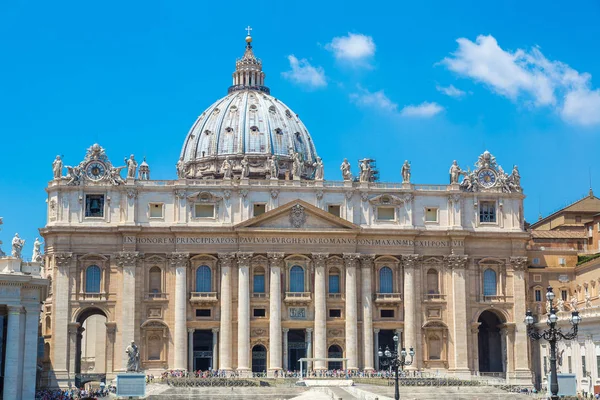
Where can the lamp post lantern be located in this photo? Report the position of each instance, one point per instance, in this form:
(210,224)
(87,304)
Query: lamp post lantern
(396,360)
(553,334)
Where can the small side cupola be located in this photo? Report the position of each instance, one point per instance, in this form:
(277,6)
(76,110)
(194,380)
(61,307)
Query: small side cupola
(144,173)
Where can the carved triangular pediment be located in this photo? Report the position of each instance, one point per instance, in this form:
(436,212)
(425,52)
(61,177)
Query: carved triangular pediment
(298,215)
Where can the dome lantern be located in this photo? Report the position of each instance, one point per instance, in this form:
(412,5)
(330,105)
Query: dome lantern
(248,71)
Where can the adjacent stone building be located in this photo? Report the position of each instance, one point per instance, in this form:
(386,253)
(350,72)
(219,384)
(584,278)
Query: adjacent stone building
(250,259)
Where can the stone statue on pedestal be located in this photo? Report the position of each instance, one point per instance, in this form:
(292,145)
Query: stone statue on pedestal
(588,300)
(561,304)
(133,362)
(37,252)
(180,167)
(573,303)
(17,246)
(345,168)
(226,168)
(405,172)
(365,170)
(296,165)
(455,172)
(319,169)
(57,167)
(131,166)
(245,167)
(273,167)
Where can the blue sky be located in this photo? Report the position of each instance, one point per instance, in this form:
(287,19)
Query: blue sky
(425,81)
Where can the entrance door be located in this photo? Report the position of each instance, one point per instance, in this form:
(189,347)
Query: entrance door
(334,351)
(203,354)
(296,348)
(259,358)
(490,343)
(386,340)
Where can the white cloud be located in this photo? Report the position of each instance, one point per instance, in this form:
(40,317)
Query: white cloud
(380,101)
(423,110)
(373,99)
(354,47)
(305,74)
(451,91)
(528,75)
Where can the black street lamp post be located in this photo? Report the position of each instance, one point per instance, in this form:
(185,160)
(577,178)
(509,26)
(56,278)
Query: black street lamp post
(553,334)
(395,360)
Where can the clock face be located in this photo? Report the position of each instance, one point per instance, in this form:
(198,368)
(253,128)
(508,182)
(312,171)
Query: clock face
(487,178)
(95,170)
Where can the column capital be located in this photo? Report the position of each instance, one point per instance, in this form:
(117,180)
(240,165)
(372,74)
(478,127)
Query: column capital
(275,259)
(244,258)
(191,330)
(178,259)
(366,260)
(309,330)
(454,261)
(286,330)
(376,330)
(518,263)
(16,310)
(111,327)
(410,260)
(226,259)
(128,258)
(351,259)
(215,330)
(74,328)
(319,259)
(62,259)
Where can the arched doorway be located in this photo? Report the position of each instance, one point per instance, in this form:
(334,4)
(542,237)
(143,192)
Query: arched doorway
(296,348)
(334,351)
(91,345)
(259,358)
(490,343)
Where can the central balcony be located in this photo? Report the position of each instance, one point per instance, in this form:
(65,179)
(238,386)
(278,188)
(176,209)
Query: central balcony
(155,296)
(388,298)
(203,297)
(297,297)
(92,296)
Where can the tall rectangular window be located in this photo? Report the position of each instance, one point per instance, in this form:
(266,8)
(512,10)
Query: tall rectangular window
(259,283)
(431,214)
(538,295)
(564,295)
(545,365)
(94,205)
(334,283)
(156,210)
(583,369)
(334,209)
(386,214)
(487,211)
(570,362)
(259,209)
(204,210)
(598,365)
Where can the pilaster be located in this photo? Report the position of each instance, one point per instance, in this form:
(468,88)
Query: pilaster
(351,261)
(226,261)
(366,263)
(243,364)
(60,315)
(409,262)
(275,265)
(522,374)
(127,261)
(458,265)
(319,260)
(179,261)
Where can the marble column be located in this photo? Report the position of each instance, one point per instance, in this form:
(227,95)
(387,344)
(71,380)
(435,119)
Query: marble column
(319,260)
(127,261)
(520,349)
(376,335)
(180,262)
(309,332)
(215,348)
(191,349)
(366,264)
(60,316)
(275,265)
(410,329)
(243,364)
(13,363)
(458,265)
(350,261)
(32,318)
(225,344)
(285,349)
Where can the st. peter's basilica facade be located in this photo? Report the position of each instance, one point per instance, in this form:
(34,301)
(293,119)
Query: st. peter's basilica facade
(249,260)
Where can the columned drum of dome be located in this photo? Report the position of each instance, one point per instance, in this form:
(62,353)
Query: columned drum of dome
(248,126)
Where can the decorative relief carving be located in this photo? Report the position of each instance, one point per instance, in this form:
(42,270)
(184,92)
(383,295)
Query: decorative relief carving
(518,263)
(180,194)
(335,332)
(297,216)
(351,259)
(410,260)
(275,259)
(259,332)
(366,260)
(319,194)
(154,313)
(62,259)
(226,194)
(274,193)
(406,198)
(132,193)
(319,259)
(127,258)
(226,259)
(349,194)
(456,262)
(244,258)
(179,259)
(454,198)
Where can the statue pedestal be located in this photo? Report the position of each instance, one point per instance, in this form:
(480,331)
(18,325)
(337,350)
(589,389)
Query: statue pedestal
(10,264)
(296,178)
(347,183)
(319,182)
(244,182)
(131,384)
(406,185)
(454,187)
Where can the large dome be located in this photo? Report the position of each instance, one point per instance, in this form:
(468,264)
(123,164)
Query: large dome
(247,123)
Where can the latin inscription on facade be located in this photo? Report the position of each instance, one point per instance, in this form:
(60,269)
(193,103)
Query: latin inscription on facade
(297,313)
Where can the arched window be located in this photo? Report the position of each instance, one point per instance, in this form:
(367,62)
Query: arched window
(203,279)
(435,347)
(297,279)
(92,279)
(489,282)
(154,348)
(259,281)
(155,278)
(432,282)
(334,280)
(386,282)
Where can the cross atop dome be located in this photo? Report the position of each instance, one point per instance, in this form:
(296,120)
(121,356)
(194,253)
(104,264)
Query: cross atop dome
(249,30)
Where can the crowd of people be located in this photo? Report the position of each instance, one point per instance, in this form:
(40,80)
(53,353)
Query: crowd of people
(332,373)
(71,394)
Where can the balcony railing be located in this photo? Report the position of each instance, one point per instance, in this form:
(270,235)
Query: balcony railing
(297,297)
(493,299)
(388,298)
(203,297)
(435,297)
(156,296)
(335,296)
(84,296)
(260,295)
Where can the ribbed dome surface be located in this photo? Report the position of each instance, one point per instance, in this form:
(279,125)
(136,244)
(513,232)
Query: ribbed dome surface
(248,122)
